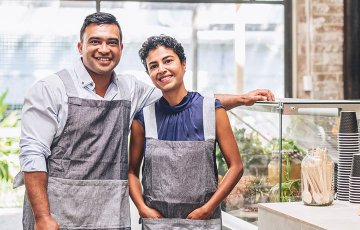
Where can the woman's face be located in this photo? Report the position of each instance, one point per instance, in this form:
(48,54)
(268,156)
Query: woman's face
(165,69)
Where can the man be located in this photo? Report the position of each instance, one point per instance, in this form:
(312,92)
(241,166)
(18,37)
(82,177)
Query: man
(75,126)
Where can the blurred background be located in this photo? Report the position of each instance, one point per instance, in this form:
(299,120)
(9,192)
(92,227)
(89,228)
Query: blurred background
(229,48)
(305,49)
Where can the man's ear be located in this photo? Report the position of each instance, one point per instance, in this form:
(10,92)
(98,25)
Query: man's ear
(79,46)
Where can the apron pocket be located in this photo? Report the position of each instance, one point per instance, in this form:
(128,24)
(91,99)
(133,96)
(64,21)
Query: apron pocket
(178,177)
(181,224)
(93,204)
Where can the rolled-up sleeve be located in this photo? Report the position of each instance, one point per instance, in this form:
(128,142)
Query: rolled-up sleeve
(39,123)
(143,95)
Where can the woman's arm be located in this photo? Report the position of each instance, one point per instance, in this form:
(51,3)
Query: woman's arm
(230,150)
(135,158)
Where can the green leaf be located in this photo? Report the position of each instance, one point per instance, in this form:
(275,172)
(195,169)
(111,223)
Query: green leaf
(11,120)
(4,170)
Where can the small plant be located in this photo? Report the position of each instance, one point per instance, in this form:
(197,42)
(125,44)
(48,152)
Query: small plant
(258,191)
(292,154)
(290,191)
(254,158)
(9,150)
(7,145)
(287,145)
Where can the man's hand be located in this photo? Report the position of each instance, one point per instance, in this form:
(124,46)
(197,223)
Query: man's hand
(230,101)
(148,212)
(46,222)
(200,214)
(258,95)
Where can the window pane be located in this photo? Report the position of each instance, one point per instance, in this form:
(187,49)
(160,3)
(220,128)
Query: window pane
(40,39)
(237,51)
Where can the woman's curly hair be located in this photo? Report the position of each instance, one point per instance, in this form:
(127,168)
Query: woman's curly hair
(162,40)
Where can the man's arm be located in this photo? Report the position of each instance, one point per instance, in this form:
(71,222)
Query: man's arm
(36,189)
(141,93)
(230,101)
(38,128)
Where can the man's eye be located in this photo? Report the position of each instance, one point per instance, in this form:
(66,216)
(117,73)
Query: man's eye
(114,43)
(94,42)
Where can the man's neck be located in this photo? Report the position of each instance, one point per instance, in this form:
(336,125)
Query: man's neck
(101,84)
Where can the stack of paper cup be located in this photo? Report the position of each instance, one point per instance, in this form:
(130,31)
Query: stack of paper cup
(348,145)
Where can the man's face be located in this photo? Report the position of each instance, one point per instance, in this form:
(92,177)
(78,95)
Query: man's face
(100,49)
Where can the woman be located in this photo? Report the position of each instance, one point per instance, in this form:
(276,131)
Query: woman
(180,186)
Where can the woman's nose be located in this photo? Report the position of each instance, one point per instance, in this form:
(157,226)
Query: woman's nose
(161,68)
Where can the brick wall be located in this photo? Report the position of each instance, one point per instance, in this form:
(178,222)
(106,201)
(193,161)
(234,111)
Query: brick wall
(326,48)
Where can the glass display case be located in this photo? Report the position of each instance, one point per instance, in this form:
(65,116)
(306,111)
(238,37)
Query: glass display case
(273,138)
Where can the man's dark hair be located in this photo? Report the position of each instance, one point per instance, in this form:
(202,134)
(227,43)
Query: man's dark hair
(162,40)
(99,18)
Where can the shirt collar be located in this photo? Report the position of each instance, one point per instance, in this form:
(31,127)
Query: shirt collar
(84,77)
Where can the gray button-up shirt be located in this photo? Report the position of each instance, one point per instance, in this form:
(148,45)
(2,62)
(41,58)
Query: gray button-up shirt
(45,110)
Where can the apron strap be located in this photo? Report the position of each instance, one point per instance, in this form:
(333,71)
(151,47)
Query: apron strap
(150,122)
(209,118)
(123,87)
(68,83)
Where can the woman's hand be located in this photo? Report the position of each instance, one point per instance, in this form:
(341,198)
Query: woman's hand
(148,212)
(200,214)
(46,222)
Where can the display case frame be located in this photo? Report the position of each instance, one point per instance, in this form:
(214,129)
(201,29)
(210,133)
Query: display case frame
(287,109)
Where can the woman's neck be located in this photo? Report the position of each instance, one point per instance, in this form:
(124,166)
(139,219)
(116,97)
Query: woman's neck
(175,97)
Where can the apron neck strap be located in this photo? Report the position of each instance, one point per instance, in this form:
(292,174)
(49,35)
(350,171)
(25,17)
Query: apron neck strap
(150,122)
(209,118)
(68,83)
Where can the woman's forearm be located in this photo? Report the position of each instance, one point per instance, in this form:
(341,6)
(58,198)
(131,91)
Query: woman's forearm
(227,184)
(135,191)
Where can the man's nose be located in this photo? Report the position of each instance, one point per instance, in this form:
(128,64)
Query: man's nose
(104,48)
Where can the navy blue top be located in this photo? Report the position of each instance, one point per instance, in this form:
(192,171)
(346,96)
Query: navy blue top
(182,122)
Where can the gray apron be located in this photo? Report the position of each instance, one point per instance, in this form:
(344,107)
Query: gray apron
(87,168)
(180,176)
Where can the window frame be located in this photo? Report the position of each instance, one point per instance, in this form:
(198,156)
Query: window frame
(288,18)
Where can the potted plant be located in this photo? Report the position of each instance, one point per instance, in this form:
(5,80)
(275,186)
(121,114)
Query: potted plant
(292,155)
(243,199)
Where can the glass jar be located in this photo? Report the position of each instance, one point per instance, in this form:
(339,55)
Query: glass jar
(291,167)
(273,169)
(317,172)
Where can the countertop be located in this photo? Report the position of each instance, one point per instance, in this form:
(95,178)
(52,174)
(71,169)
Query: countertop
(341,215)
